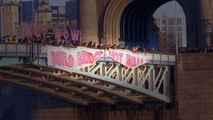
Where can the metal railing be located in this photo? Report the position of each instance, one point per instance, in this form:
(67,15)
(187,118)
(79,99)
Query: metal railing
(40,51)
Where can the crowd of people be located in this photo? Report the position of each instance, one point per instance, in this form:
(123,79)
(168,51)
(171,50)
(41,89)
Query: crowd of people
(91,44)
(134,49)
(196,50)
(9,39)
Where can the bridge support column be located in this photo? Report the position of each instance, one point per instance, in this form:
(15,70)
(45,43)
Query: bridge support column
(89,20)
(166,83)
(152,78)
(206,22)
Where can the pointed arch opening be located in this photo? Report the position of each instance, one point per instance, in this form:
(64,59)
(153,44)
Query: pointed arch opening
(134,23)
(171,22)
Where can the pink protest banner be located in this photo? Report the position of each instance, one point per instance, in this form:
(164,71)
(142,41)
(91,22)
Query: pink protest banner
(66,34)
(71,59)
(128,58)
(76,35)
(28,31)
(87,56)
(44,29)
(37,31)
(57,34)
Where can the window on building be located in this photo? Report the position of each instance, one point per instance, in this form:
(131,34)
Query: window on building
(179,35)
(179,21)
(169,21)
(55,12)
(54,18)
(179,28)
(62,18)
(164,22)
(61,10)
(171,29)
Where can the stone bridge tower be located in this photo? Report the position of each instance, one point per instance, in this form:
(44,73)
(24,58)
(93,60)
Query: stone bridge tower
(207,21)
(9,17)
(89,20)
(100,19)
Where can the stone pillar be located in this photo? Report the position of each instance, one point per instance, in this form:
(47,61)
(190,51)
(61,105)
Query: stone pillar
(206,20)
(194,86)
(88,20)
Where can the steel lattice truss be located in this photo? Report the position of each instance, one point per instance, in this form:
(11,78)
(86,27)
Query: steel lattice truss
(105,82)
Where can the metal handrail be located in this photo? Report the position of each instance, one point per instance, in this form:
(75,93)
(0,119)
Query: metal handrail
(40,50)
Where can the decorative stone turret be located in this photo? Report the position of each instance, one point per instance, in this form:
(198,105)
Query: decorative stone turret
(44,5)
(44,13)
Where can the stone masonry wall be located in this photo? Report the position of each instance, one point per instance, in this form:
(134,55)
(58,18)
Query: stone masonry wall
(73,114)
(194,86)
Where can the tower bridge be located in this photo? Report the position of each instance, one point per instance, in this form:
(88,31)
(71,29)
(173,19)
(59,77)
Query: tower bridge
(104,81)
(108,81)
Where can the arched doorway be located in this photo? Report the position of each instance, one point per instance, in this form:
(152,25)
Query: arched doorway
(112,19)
(131,22)
(171,23)
(138,27)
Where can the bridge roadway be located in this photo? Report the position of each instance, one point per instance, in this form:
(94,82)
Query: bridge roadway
(106,81)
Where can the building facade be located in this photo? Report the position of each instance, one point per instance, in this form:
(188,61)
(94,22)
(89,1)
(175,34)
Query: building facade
(58,13)
(59,16)
(9,17)
(173,30)
(40,12)
(44,13)
(108,19)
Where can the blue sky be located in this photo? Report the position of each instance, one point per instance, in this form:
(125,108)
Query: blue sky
(171,8)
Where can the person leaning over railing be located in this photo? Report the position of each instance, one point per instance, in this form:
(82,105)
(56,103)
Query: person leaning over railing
(5,40)
(196,50)
(10,40)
